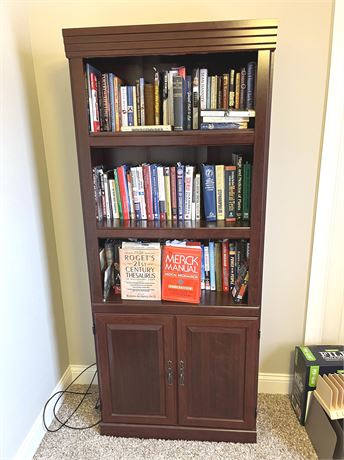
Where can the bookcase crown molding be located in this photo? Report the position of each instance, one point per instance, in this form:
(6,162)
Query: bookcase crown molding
(153,39)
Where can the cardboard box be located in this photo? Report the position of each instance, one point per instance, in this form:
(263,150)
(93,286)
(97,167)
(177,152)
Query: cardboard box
(310,362)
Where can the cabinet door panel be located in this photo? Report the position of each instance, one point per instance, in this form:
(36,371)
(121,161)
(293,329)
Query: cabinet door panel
(217,369)
(136,360)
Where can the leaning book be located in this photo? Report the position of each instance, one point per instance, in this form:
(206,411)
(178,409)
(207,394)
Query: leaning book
(140,271)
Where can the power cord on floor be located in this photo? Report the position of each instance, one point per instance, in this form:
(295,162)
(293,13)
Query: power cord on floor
(67,391)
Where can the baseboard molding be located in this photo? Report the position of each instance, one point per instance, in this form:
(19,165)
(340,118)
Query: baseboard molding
(274,383)
(267,383)
(34,437)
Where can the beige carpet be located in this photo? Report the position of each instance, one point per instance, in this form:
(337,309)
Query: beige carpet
(279,437)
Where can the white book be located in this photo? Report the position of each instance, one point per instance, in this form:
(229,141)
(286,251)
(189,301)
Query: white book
(193,204)
(195,99)
(113,197)
(142,100)
(135,186)
(225,119)
(198,196)
(107,197)
(207,266)
(124,106)
(227,113)
(203,76)
(135,105)
(129,129)
(141,193)
(131,199)
(220,191)
(171,73)
(189,172)
(161,191)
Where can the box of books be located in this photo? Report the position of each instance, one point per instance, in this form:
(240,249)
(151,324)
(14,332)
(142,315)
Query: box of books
(310,362)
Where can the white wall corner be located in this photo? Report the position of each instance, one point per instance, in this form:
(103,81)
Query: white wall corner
(33,439)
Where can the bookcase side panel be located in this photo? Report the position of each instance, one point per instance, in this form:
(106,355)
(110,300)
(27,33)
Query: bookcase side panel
(259,176)
(85,173)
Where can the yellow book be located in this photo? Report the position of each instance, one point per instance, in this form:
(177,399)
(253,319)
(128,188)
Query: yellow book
(220,191)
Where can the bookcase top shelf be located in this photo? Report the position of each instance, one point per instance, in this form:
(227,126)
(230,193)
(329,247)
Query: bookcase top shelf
(183,38)
(169,230)
(218,137)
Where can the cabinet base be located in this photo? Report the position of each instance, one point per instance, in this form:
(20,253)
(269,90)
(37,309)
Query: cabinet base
(177,432)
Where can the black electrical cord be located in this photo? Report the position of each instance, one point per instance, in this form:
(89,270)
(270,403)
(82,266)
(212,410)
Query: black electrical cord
(65,391)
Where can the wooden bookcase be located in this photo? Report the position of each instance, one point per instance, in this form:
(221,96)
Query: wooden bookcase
(174,370)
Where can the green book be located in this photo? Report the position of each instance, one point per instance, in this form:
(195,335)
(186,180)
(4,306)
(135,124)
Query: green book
(246,202)
(115,175)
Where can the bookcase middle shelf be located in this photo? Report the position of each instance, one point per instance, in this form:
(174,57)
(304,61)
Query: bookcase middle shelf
(194,230)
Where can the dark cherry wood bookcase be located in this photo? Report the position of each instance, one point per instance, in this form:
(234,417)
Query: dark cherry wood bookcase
(166,369)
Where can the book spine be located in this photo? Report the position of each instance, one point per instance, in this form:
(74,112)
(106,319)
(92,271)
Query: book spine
(225,266)
(180,191)
(188,111)
(117,103)
(220,192)
(171,97)
(100,102)
(116,269)
(243,288)
(118,193)
(213,126)
(165,109)
(251,76)
(138,103)
(208,101)
(231,92)
(206,268)
(230,193)
(167,183)
(243,77)
(173,180)
(149,104)
(155,193)
(141,193)
(124,106)
(241,121)
(136,199)
(239,186)
(89,98)
(99,214)
(121,171)
(112,102)
(135,106)
(189,171)
(148,191)
(113,197)
(198,196)
(193,204)
(161,193)
(213,102)
(107,197)
(202,269)
(130,106)
(232,275)
(209,195)
(102,188)
(142,101)
(237,90)
(178,102)
(220,92)
(225,91)
(195,99)
(157,97)
(218,266)
(212,265)
(105,98)
(203,76)
(246,191)
(130,195)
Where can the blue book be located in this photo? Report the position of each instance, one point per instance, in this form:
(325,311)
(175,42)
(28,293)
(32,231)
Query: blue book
(130,105)
(154,180)
(112,102)
(209,193)
(212,265)
(180,191)
(208,126)
(202,269)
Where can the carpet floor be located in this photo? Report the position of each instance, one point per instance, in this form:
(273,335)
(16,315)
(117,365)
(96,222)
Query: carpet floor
(280,436)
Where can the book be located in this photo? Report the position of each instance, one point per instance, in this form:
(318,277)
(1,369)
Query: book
(156,96)
(225,90)
(116,270)
(180,191)
(220,191)
(165,109)
(178,102)
(112,101)
(146,170)
(189,172)
(228,113)
(225,119)
(149,104)
(238,162)
(218,266)
(118,193)
(237,91)
(203,76)
(202,269)
(155,191)
(181,273)
(173,181)
(161,193)
(242,96)
(212,265)
(232,274)
(206,268)
(130,105)
(209,194)
(92,75)
(107,283)
(211,126)
(140,271)
(197,196)
(188,103)
(167,183)
(195,98)
(251,77)
(105,101)
(246,194)
(225,265)
(146,128)
(123,187)
(141,192)
(231,95)
(142,102)
(102,260)
(230,214)
(124,107)
(113,198)
(130,196)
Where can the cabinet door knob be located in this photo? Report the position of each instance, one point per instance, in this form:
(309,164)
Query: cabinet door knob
(169,372)
(181,372)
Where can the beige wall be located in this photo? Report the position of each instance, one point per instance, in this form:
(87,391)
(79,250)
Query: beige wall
(297,113)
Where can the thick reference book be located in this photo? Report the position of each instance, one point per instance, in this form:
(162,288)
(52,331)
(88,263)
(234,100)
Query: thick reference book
(181,273)
(209,192)
(140,271)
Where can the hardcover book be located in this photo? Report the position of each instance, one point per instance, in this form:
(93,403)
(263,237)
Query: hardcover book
(181,273)
(140,271)
(209,194)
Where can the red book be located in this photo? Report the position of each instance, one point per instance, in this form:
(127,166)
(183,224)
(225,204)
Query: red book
(148,190)
(181,274)
(94,90)
(225,266)
(121,172)
(173,179)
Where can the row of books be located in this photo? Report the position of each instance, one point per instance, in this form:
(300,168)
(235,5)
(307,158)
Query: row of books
(173,193)
(135,270)
(174,101)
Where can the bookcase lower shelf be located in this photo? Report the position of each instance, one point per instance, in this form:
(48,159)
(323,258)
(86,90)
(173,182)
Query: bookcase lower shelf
(178,432)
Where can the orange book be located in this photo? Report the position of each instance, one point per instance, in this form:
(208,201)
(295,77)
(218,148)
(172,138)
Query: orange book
(181,274)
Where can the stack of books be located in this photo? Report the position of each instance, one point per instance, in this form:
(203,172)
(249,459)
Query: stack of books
(223,267)
(173,193)
(173,100)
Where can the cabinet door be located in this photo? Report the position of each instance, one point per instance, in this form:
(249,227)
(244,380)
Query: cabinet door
(217,371)
(136,359)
